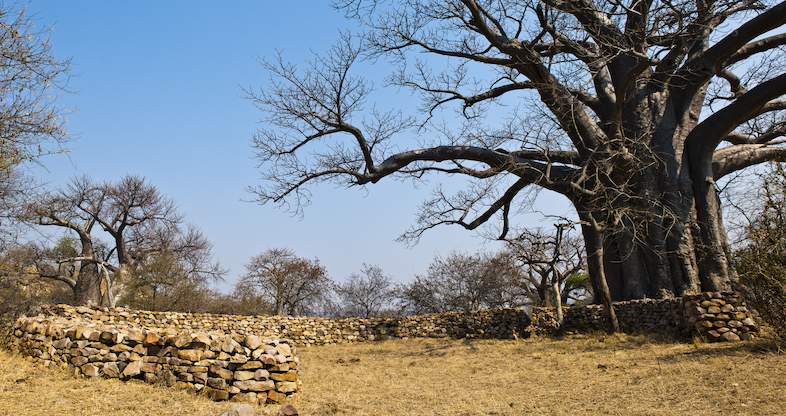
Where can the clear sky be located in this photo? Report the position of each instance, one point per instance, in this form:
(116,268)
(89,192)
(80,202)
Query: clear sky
(156,90)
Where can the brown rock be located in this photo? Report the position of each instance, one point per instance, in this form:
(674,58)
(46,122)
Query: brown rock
(245,398)
(276,397)
(79,361)
(217,383)
(151,338)
(250,365)
(133,369)
(221,372)
(90,370)
(286,387)
(135,335)
(202,339)
(287,410)
(216,395)
(190,355)
(239,409)
(110,370)
(253,385)
(284,349)
(730,337)
(288,376)
(150,368)
(244,375)
(252,341)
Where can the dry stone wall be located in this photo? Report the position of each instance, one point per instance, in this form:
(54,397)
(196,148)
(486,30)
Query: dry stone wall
(720,317)
(494,324)
(253,358)
(713,316)
(222,366)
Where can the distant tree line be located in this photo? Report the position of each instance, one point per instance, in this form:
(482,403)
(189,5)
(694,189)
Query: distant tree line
(125,244)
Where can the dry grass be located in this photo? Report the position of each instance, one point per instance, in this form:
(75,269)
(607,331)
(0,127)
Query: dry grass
(580,375)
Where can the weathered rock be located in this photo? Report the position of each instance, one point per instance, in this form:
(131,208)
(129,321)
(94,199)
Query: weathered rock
(217,383)
(151,338)
(730,336)
(287,410)
(284,349)
(288,376)
(221,372)
(190,355)
(90,370)
(254,385)
(243,375)
(245,398)
(110,370)
(217,395)
(286,387)
(239,409)
(253,342)
(133,369)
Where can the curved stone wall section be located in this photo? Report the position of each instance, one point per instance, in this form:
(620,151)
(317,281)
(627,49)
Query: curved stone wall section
(222,366)
(720,317)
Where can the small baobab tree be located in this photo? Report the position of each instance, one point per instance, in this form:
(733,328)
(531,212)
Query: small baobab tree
(292,285)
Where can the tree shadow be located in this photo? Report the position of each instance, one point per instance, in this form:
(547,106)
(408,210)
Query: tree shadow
(758,348)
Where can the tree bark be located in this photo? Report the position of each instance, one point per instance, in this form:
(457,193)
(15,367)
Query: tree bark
(596,264)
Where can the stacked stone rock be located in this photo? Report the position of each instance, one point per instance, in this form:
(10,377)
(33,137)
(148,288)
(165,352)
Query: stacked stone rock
(675,317)
(651,316)
(222,366)
(720,316)
(491,324)
(716,316)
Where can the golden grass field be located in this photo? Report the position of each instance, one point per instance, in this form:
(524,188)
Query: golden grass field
(593,375)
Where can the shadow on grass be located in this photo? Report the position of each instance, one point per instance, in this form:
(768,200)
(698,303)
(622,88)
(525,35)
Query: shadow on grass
(760,348)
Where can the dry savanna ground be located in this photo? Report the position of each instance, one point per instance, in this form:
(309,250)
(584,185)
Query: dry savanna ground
(592,375)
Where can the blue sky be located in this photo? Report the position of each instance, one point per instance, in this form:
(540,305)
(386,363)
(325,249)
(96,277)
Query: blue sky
(156,90)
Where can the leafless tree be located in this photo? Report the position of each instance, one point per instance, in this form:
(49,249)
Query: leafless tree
(142,225)
(367,293)
(293,285)
(632,110)
(464,282)
(170,265)
(30,124)
(552,266)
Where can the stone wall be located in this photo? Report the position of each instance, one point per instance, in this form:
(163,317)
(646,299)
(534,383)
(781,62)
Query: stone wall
(494,324)
(720,317)
(222,366)
(652,316)
(252,358)
(713,316)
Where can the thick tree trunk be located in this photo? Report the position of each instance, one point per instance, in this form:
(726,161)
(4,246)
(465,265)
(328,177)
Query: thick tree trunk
(678,243)
(85,292)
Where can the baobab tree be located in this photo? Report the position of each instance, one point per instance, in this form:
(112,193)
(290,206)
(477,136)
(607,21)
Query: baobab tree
(632,110)
(144,232)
